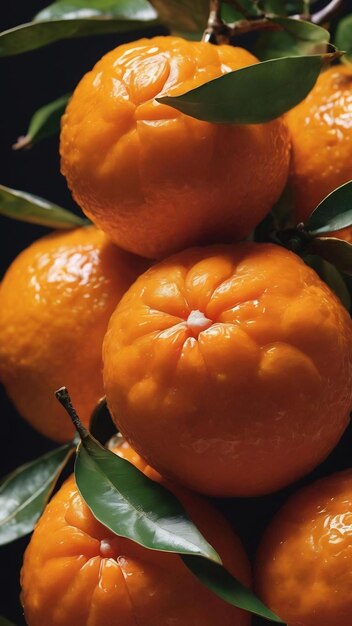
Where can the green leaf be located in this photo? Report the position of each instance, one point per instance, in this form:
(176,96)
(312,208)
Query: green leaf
(229,14)
(25,492)
(44,123)
(282,7)
(133,506)
(26,207)
(239,10)
(301,29)
(334,212)
(107,9)
(343,37)
(224,585)
(183,16)
(127,502)
(41,33)
(336,251)
(332,277)
(273,7)
(5,622)
(252,95)
(298,38)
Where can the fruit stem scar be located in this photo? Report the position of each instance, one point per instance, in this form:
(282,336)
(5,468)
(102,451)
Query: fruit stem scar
(196,322)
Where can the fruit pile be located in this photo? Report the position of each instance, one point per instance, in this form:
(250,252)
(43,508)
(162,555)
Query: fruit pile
(189,301)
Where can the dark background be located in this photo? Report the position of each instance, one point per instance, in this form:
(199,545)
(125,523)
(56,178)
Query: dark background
(27,82)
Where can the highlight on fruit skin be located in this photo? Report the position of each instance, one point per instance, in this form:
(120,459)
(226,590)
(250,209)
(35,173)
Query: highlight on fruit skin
(55,302)
(154,179)
(304,563)
(252,396)
(76,571)
(321,134)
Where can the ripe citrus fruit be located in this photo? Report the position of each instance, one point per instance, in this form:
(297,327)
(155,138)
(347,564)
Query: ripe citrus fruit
(55,302)
(153,178)
(229,368)
(77,572)
(321,133)
(304,570)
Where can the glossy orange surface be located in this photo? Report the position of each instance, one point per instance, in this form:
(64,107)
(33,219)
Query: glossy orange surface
(304,569)
(229,368)
(321,133)
(153,178)
(55,302)
(76,572)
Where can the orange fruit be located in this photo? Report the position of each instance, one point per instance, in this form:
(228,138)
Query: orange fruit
(77,572)
(229,368)
(321,134)
(55,302)
(304,569)
(153,178)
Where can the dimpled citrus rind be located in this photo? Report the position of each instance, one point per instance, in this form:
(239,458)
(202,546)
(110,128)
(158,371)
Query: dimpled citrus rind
(76,571)
(55,302)
(153,178)
(321,134)
(253,402)
(304,565)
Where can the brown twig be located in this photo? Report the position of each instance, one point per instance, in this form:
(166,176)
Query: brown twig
(219,32)
(216,29)
(248,26)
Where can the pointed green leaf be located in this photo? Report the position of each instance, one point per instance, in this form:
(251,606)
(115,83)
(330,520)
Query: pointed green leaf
(336,251)
(332,277)
(239,10)
(283,7)
(26,207)
(273,7)
(106,9)
(252,95)
(301,29)
(25,492)
(275,45)
(224,585)
(334,212)
(230,15)
(39,33)
(44,123)
(343,37)
(133,506)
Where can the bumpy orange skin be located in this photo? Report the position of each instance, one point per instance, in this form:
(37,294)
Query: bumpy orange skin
(254,401)
(321,134)
(304,568)
(55,302)
(76,572)
(153,178)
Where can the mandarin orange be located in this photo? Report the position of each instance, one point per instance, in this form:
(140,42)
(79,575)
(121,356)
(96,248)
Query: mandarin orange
(77,572)
(229,368)
(321,134)
(153,178)
(304,568)
(55,302)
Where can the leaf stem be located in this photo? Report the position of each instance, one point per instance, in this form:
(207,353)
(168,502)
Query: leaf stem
(64,398)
